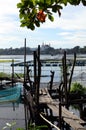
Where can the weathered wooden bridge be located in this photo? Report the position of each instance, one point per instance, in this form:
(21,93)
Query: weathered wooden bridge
(70,118)
(39,102)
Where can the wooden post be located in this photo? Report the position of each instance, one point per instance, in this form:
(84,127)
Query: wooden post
(51,82)
(39,74)
(65,78)
(25,107)
(35,73)
(25,62)
(35,68)
(28,76)
(12,72)
(60,115)
(72,71)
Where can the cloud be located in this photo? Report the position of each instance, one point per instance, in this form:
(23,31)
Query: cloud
(67,31)
(73,17)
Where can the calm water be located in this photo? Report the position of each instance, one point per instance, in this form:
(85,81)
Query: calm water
(6,67)
(7,114)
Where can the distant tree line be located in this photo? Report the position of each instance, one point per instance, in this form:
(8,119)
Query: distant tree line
(48,50)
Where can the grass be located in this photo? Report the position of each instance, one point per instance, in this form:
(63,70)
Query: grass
(2,74)
(5,60)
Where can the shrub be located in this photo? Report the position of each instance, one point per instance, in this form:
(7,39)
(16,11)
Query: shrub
(77,88)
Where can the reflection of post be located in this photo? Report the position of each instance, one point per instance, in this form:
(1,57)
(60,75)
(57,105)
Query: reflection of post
(3,68)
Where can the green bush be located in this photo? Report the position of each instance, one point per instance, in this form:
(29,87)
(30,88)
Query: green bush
(77,88)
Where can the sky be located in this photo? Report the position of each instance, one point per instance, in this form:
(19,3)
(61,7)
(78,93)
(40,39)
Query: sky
(66,31)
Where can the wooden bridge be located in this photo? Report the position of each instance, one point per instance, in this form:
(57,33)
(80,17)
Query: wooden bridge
(70,118)
(36,98)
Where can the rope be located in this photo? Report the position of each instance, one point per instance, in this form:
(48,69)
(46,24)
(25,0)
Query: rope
(49,122)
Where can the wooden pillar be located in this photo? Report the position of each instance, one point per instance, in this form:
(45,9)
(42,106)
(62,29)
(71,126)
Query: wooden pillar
(51,82)
(35,73)
(12,72)
(39,74)
(25,106)
(25,62)
(65,78)
(60,115)
(72,72)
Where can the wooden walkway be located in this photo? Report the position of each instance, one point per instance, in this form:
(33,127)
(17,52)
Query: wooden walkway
(74,121)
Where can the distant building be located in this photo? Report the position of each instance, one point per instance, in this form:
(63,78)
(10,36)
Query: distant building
(45,46)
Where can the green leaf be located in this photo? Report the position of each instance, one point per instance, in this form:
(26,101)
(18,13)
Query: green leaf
(37,23)
(22,25)
(31,26)
(47,2)
(84,2)
(51,18)
(74,2)
(21,16)
(19,5)
(64,2)
(20,129)
(55,8)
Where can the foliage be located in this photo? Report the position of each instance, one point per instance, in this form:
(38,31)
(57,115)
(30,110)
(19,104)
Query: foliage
(35,127)
(20,129)
(77,87)
(31,126)
(34,12)
(9,125)
(2,74)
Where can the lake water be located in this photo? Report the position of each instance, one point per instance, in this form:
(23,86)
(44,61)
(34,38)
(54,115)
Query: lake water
(6,67)
(7,114)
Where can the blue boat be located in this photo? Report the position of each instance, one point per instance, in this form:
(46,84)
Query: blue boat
(11,94)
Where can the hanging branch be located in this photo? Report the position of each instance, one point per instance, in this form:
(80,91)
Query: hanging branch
(33,13)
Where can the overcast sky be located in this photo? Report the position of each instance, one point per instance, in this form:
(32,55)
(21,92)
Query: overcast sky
(67,31)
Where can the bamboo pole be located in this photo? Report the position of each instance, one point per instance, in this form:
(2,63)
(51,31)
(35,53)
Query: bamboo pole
(49,122)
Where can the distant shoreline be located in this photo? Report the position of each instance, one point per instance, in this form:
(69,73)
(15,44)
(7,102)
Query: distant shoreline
(44,50)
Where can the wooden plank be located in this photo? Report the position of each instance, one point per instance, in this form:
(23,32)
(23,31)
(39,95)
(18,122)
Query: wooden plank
(74,123)
(70,118)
